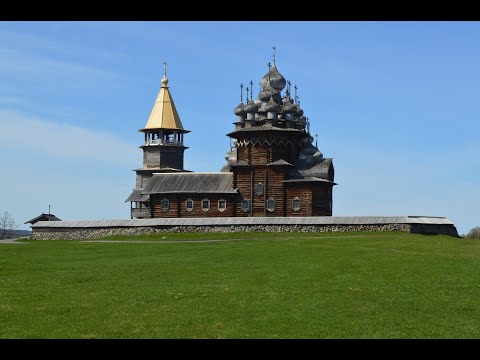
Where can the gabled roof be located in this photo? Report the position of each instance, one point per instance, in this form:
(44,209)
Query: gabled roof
(164,114)
(191,183)
(43,217)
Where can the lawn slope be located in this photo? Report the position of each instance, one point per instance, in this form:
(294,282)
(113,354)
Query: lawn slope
(247,285)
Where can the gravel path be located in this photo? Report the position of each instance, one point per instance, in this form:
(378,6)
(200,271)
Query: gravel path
(12,241)
(212,240)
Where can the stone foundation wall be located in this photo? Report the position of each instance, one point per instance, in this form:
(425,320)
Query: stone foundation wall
(95,233)
(432,229)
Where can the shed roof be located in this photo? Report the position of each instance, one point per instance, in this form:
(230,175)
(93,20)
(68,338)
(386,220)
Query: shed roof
(137,195)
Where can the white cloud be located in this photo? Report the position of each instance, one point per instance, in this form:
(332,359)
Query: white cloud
(22,64)
(27,134)
(82,173)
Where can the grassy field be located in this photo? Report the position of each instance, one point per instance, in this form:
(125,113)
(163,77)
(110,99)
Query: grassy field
(247,285)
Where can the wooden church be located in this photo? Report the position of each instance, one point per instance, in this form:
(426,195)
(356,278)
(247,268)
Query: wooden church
(273,169)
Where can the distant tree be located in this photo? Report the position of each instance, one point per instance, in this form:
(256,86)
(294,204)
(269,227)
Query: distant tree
(7,225)
(474,233)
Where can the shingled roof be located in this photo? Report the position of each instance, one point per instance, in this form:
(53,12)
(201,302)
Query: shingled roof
(137,195)
(191,183)
(43,217)
(265,127)
(308,179)
(164,114)
(280,162)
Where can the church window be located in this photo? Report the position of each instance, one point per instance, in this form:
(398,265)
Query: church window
(259,189)
(245,205)
(205,204)
(222,205)
(189,205)
(296,204)
(165,204)
(271,204)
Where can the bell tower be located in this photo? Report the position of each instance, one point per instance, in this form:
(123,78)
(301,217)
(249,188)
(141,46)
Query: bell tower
(163,146)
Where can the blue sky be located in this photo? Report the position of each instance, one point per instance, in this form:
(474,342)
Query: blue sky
(396,104)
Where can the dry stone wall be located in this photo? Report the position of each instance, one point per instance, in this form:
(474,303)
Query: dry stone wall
(95,233)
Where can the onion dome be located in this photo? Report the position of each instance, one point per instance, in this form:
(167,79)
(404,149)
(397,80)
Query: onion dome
(288,105)
(267,92)
(299,112)
(239,110)
(287,99)
(164,80)
(272,106)
(251,107)
(277,81)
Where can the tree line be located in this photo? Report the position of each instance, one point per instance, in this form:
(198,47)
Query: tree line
(473,233)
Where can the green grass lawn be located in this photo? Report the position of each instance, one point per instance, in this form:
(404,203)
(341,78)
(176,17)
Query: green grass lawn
(243,285)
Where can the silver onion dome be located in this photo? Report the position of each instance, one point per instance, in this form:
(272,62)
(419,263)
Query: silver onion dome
(251,107)
(299,112)
(239,110)
(272,106)
(277,80)
(267,92)
(288,105)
